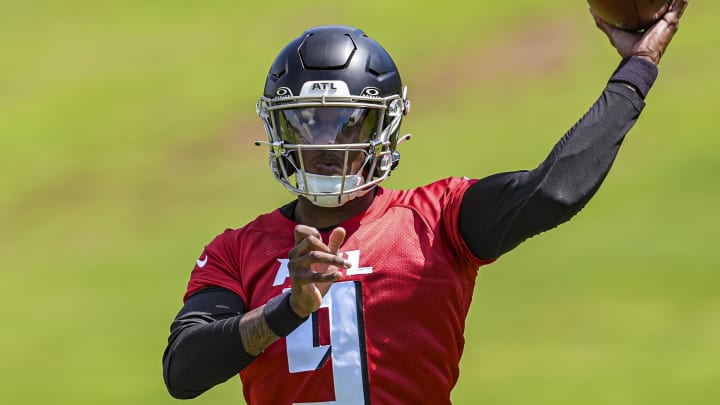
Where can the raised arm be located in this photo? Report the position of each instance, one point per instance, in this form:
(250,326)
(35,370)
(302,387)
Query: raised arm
(501,211)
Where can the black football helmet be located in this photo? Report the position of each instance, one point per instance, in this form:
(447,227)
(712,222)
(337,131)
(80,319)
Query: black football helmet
(333,90)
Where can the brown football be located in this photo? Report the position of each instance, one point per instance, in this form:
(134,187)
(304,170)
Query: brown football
(631,15)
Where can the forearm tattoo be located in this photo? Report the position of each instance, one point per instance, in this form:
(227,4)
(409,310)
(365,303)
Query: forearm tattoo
(255,333)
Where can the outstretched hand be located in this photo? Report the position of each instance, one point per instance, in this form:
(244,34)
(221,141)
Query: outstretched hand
(313,267)
(650,44)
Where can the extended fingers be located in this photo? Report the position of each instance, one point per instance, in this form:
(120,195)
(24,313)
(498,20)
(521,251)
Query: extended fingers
(309,244)
(312,261)
(336,239)
(308,239)
(678,7)
(672,17)
(658,37)
(304,231)
(304,278)
(316,257)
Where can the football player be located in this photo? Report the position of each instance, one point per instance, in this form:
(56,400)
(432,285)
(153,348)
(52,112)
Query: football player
(353,293)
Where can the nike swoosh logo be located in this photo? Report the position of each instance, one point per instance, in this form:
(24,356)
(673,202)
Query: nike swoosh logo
(202,262)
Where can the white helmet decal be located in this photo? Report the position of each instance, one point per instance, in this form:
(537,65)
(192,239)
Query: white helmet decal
(325,88)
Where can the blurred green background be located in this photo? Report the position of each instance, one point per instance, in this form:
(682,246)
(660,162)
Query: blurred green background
(127,131)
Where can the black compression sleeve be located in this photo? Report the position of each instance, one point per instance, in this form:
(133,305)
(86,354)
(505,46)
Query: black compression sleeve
(204,348)
(501,211)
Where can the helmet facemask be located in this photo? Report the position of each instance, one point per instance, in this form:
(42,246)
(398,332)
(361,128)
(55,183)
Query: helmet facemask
(329,146)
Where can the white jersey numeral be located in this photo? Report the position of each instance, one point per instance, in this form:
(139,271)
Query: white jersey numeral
(346,348)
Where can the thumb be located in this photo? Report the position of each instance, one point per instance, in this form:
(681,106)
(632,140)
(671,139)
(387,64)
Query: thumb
(337,237)
(600,23)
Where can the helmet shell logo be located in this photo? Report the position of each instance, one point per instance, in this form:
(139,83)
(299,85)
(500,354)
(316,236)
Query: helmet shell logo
(283,92)
(371,92)
(325,88)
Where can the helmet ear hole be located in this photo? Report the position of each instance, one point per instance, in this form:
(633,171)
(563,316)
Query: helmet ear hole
(395,160)
(385,163)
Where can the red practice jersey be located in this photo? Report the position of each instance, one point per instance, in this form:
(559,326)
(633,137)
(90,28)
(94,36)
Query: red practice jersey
(389,332)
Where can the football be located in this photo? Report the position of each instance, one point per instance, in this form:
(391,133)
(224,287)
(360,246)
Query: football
(631,15)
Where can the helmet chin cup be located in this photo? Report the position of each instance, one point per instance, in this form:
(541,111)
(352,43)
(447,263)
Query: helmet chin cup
(327,191)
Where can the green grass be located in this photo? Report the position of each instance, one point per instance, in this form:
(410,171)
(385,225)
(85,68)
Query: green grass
(126,146)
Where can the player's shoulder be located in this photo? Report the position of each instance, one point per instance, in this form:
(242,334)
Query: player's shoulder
(449,182)
(273,221)
(437,189)
(431,200)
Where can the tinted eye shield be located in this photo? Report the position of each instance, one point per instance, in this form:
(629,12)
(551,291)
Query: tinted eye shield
(327,125)
(391,107)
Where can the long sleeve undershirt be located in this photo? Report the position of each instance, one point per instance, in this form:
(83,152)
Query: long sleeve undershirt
(501,211)
(498,213)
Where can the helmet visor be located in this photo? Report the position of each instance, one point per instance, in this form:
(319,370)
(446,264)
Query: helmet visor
(327,125)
